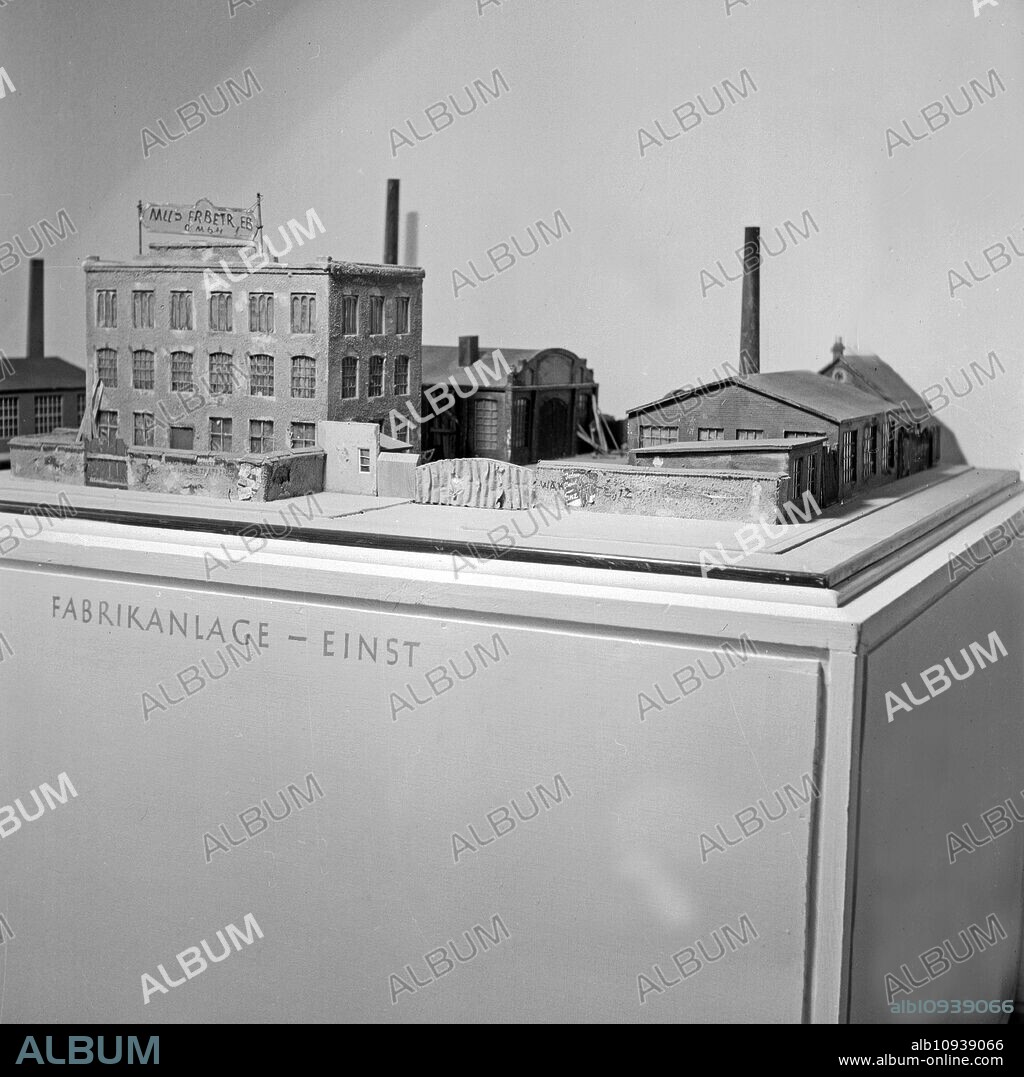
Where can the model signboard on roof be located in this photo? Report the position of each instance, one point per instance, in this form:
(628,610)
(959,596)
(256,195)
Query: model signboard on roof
(203,218)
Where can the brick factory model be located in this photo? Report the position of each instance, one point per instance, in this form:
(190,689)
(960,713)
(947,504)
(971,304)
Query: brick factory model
(207,376)
(281,380)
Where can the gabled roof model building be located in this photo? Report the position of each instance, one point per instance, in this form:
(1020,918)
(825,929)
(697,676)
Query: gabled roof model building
(38,393)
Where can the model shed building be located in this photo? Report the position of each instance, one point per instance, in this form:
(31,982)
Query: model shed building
(918,431)
(866,444)
(520,414)
(38,393)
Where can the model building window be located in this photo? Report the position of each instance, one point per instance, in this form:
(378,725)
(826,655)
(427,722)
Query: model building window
(364,460)
(261,435)
(485,426)
(375,384)
(303,313)
(376,315)
(520,422)
(803,434)
(8,416)
(106,309)
(658,435)
(79,409)
(350,315)
(748,435)
(402,314)
(106,427)
(848,456)
(220,312)
(812,473)
(890,433)
(710,433)
(220,435)
(48,412)
(304,377)
(143,434)
(873,449)
(142,310)
(303,435)
(220,373)
(799,475)
(401,379)
(106,367)
(142,370)
(181,372)
(261,375)
(181,310)
(182,437)
(349,377)
(261,312)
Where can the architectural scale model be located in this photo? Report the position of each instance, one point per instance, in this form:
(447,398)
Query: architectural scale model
(748,445)
(209,376)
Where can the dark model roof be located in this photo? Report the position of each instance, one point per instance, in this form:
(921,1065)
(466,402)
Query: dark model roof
(802,389)
(685,448)
(882,379)
(441,363)
(34,374)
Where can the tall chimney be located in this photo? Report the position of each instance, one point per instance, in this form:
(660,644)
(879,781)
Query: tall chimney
(469,350)
(35,308)
(391,225)
(838,349)
(750,313)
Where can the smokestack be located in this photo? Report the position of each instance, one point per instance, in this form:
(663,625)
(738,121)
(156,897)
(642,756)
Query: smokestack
(838,349)
(469,350)
(750,313)
(412,239)
(391,225)
(35,308)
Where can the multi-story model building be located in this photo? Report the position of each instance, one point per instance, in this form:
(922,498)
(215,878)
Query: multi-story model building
(196,352)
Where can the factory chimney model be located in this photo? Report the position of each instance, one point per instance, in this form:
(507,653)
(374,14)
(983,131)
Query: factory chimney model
(35,309)
(750,313)
(391,225)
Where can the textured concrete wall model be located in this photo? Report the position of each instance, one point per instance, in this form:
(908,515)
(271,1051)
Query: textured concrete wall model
(662,492)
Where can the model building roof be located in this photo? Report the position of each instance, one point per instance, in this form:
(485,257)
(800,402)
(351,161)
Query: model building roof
(833,400)
(441,363)
(47,372)
(697,448)
(883,380)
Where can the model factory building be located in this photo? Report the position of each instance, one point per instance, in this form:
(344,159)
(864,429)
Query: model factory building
(206,377)
(38,393)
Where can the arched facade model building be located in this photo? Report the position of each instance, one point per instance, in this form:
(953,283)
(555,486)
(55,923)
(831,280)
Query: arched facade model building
(519,405)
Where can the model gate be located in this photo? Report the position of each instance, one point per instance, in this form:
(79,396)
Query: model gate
(106,464)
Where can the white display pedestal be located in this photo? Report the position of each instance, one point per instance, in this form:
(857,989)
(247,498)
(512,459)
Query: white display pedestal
(360,892)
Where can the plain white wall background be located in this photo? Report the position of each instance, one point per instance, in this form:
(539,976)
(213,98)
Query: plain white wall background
(624,288)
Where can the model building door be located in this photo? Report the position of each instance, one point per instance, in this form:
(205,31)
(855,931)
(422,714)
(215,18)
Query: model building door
(553,435)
